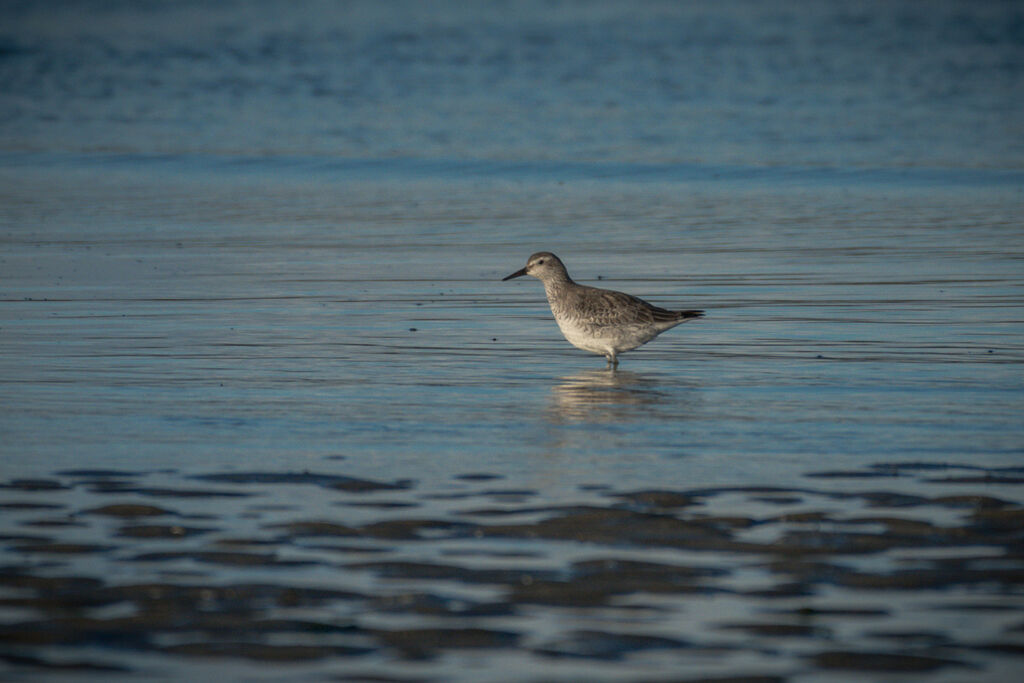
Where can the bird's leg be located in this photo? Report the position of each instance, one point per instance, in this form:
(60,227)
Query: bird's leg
(613,362)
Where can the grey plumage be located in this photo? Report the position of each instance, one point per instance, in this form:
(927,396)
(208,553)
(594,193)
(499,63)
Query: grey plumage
(599,320)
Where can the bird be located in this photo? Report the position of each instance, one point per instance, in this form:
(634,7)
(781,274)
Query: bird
(600,321)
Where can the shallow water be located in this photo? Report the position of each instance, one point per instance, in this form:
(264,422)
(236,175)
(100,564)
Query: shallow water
(270,413)
(867,374)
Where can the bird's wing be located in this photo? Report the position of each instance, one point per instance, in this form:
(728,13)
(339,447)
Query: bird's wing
(619,308)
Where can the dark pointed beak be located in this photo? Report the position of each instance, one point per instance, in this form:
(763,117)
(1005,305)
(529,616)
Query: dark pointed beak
(518,273)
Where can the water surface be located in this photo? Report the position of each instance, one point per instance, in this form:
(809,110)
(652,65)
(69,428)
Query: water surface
(270,413)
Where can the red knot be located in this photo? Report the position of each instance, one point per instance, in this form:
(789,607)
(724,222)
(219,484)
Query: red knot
(599,320)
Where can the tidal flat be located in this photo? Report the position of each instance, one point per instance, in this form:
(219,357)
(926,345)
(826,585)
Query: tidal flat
(353,579)
(268,412)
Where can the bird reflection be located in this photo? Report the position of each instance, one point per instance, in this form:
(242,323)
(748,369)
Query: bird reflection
(603,396)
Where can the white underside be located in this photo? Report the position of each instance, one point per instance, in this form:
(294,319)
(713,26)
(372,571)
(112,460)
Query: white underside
(624,339)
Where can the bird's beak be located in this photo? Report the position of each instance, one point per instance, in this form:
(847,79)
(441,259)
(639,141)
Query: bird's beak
(518,273)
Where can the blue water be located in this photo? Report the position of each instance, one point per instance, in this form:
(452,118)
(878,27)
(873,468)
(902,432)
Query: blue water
(744,83)
(262,236)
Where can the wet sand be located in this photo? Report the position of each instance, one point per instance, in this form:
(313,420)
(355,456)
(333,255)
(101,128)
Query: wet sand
(106,574)
(268,413)
(227,456)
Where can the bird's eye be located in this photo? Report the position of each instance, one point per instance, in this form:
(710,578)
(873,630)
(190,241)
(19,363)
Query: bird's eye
(540,263)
